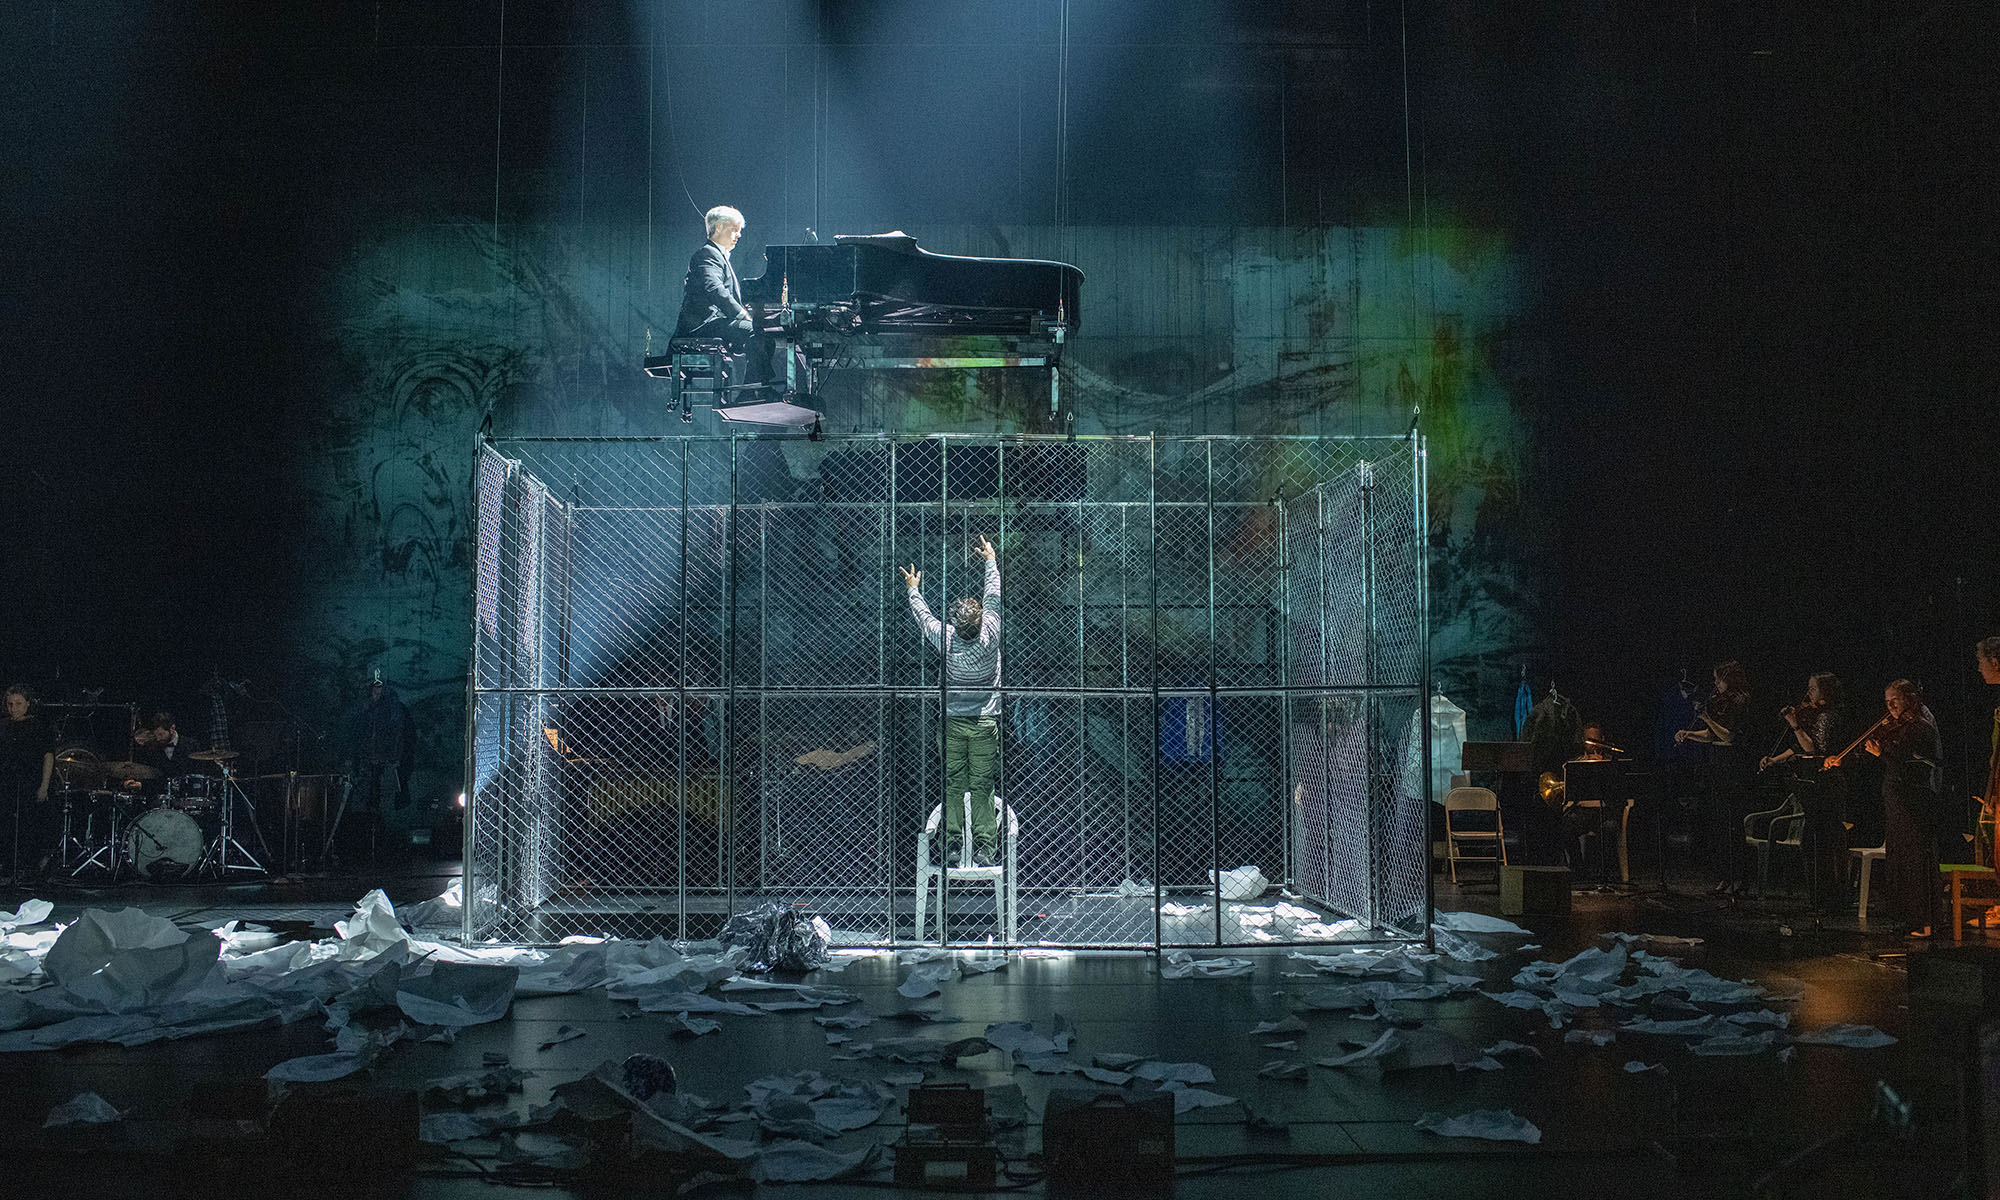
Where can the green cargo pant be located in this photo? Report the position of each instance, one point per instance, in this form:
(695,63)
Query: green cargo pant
(971,760)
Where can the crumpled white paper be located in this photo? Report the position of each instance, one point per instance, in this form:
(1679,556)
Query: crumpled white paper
(1859,1037)
(371,929)
(456,994)
(84,1108)
(31,912)
(1492,1124)
(1389,1040)
(123,961)
(1462,949)
(923,980)
(794,1161)
(1174,1072)
(1187,1099)
(1241,883)
(1472,922)
(1020,1038)
(1182,965)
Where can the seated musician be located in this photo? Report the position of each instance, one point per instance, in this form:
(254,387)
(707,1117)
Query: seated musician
(712,303)
(711,296)
(160,746)
(1815,729)
(1600,819)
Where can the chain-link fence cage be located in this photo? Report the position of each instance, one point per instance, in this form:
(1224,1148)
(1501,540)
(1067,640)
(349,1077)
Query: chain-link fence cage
(698,687)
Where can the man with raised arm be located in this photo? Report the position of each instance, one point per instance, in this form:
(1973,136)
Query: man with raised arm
(971,647)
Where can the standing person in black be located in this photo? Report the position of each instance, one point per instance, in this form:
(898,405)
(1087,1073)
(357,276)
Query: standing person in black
(1987,655)
(1910,750)
(1814,729)
(1724,718)
(382,743)
(27,759)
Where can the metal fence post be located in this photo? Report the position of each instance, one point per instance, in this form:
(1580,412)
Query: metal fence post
(1153,609)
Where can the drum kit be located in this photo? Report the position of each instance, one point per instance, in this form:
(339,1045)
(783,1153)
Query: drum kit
(186,829)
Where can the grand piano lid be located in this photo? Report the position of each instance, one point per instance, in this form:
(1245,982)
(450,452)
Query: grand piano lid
(904,243)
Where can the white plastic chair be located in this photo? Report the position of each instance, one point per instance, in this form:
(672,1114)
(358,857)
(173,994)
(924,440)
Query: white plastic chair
(1001,876)
(1866,857)
(1784,825)
(1473,799)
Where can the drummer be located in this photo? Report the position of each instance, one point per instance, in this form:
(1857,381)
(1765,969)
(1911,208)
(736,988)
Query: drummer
(159,746)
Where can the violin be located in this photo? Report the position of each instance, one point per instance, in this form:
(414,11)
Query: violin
(1889,720)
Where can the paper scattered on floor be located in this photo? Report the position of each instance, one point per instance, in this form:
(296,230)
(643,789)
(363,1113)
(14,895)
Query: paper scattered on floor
(123,961)
(1174,1072)
(1187,1099)
(1020,1038)
(794,1161)
(1472,922)
(1492,1124)
(1241,883)
(1182,965)
(1389,1040)
(1860,1037)
(31,912)
(924,980)
(84,1108)
(456,994)
(1463,949)
(563,1033)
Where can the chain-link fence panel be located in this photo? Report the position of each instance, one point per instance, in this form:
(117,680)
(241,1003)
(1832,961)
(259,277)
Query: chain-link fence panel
(813,807)
(699,685)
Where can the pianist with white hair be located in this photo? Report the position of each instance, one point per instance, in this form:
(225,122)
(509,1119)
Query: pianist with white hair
(711,297)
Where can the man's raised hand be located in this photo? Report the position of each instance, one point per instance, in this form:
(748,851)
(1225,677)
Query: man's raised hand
(984,549)
(911,576)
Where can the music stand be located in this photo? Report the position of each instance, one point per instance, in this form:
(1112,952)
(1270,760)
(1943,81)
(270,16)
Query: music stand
(1599,784)
(1506,758)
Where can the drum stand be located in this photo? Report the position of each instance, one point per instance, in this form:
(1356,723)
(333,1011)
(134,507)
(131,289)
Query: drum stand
(218,858)
(101,854)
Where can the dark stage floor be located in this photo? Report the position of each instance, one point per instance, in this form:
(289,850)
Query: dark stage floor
(1697,1124)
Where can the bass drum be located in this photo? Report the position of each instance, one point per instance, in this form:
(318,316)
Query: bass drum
(164,843)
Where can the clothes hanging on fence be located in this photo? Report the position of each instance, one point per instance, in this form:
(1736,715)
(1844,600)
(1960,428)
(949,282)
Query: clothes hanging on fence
(1554,733)
(1187,730)
(1447,748)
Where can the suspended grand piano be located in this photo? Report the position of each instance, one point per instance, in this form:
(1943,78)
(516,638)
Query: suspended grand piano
(883,302)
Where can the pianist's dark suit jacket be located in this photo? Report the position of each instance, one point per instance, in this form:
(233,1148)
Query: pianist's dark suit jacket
(711,298)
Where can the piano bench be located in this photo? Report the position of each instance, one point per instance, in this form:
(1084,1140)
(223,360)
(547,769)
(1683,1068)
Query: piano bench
(699,358)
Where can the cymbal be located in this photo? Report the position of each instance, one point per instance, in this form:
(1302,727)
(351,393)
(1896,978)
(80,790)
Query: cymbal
(79,767)
(212,756)
(130,770)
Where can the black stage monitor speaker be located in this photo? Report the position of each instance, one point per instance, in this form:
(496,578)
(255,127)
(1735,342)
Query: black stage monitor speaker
(1101,1143)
